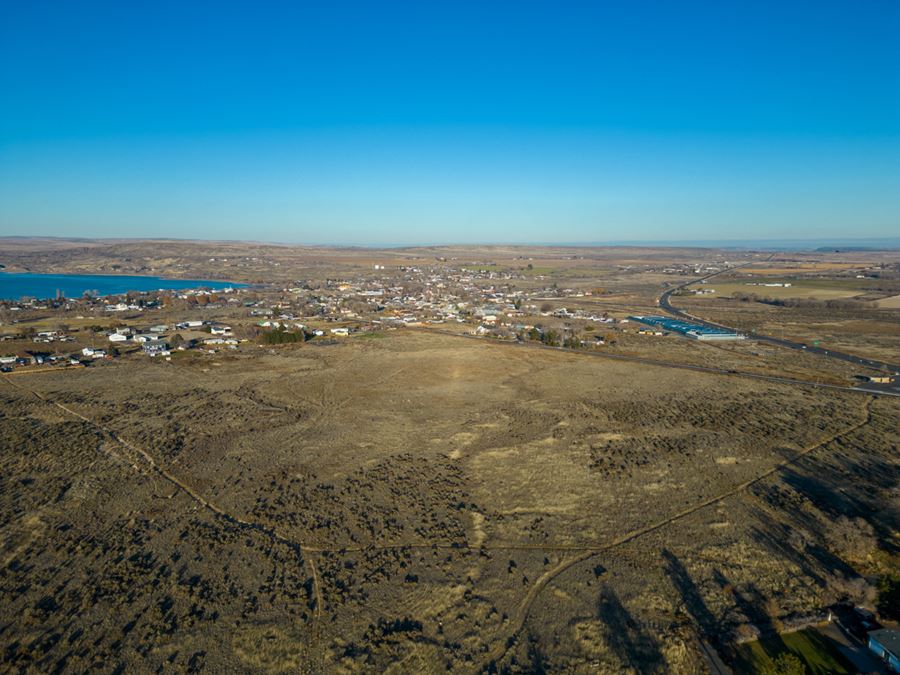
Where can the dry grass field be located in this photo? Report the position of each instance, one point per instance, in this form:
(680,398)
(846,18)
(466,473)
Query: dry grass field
(796,267)
(892,302)
(816,291)
(275,264)
(423,503)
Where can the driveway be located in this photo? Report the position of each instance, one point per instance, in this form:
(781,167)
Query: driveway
(859,656)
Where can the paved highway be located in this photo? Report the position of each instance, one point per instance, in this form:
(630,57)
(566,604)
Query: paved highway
(887,368)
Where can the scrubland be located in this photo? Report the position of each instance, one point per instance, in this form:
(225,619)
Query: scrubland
(422,503)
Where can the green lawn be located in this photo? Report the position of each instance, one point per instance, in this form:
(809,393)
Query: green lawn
(818,653)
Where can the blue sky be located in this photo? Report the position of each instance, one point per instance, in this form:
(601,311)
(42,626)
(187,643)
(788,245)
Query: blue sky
(392,122)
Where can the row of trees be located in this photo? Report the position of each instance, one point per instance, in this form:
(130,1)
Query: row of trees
(804,303)
(553,338)
(280,336)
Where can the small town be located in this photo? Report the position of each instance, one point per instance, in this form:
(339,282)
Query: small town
(479,302)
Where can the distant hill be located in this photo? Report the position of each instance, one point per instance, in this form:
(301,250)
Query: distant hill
(847,249)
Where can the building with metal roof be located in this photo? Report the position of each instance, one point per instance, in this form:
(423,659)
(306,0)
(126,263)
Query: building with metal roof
(886,644)
(689,329)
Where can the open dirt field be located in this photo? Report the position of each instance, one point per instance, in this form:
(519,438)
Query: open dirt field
(423,503)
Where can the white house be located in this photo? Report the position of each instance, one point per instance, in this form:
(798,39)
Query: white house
(118,337)
(342,332)
(94,353)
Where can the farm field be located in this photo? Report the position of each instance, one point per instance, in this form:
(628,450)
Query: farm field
(810,267)
(422,499)
(817,290)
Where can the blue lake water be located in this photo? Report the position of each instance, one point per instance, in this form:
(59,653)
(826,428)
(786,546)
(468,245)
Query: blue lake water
(17,286)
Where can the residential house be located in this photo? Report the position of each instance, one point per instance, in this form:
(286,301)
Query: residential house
(156,348)
(94,353)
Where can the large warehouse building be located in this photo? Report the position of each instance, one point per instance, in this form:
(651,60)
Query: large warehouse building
(695,331)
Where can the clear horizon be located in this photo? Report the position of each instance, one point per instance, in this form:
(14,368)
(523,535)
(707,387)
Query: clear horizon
(465,124)
(870,243)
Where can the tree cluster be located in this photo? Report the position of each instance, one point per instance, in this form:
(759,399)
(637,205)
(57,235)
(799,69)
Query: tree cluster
(280,336)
